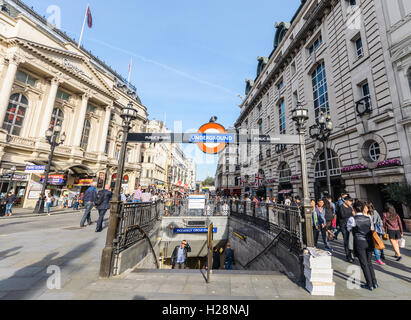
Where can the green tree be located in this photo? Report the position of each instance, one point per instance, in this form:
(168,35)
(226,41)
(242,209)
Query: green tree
(208,182)
(400,192)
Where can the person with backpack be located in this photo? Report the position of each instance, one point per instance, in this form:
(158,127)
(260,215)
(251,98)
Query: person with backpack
(102,203)
(88,201)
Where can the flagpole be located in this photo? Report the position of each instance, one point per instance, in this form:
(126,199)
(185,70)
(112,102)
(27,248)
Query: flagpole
(129,73)
(84,24)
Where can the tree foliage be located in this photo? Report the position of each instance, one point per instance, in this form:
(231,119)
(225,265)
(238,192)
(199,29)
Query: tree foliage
(400,192)
(208,182)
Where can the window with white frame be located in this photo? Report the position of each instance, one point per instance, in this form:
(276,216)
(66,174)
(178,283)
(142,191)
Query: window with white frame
(57,117)
(281,117)
(317,42)
(320,91)
(16,111)
(359,50)
(25,78)
(86,134)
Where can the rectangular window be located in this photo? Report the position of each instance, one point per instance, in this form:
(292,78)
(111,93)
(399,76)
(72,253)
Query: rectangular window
(315,45)
(25,78)
(365,90)
(107,148)
(353,2)
(358,48)
(62,95)
(142,157)
(281,117)
(280,85)
(91,108)
(293,69)
(320,91)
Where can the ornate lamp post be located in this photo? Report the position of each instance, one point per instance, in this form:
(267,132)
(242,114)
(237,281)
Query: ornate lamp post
(13,170)
(300,116)
(54,139)
(321,131)
(128,115)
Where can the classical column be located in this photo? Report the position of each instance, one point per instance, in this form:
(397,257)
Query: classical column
(104,132)
(7,87)
(80,123)
(51,99)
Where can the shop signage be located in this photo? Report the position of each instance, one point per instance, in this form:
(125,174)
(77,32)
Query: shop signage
(55,179)
(16,177)
(83,182)
(35,169)
(193,230)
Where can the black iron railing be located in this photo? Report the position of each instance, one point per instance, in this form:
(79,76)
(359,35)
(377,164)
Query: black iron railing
(273,218)
(136,221)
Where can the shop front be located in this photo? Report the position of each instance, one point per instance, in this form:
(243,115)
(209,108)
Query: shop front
(16,183)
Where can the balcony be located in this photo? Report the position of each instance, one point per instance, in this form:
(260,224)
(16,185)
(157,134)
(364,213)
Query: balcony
(280,148)
(333,173)
(363,106)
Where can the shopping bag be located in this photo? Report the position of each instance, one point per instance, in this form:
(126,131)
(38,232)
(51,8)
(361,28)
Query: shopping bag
(378,244)
(385,236)
(402,243)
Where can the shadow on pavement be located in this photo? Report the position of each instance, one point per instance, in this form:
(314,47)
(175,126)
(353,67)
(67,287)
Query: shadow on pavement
(3,254)
(42,276)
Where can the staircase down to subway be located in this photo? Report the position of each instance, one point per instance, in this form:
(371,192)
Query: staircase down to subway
(264,238)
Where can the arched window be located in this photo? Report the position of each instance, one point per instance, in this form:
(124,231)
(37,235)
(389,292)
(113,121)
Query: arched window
(57,117)
(334,165)
(15,113)
(86,134)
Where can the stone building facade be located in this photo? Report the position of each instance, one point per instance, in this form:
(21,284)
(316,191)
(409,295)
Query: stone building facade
(333,57)
(46,80)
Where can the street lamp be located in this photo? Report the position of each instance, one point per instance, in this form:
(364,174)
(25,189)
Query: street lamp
(321,131)
(54,139)
(300,116)
(128,114)
(13,170)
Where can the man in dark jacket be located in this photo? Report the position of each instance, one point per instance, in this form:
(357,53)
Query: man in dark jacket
(216,259)
(88,202)
(179,255)
(102,207)
(344,212)
(9,202)
(229,257)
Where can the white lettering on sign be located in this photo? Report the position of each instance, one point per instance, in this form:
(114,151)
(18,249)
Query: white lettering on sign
(74,68)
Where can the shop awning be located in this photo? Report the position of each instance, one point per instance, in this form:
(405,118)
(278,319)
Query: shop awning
(80,169)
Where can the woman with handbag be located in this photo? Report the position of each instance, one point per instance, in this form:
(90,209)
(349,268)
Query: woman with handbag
(377,221)
(362,228)
(393,226)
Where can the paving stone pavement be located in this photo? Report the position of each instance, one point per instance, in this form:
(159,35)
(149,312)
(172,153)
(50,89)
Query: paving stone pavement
(32,245)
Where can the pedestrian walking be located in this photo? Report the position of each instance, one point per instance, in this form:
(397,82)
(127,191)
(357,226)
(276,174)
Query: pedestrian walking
(321,226)
(229,257)
(137,195)
(88,200)
(216,259)
(102,204)
(362,226)
(329,217)
(146,196)
(377,221)
(179,256)
(344,212)
(49,202)
(393,226)
(10,200)
(76,202)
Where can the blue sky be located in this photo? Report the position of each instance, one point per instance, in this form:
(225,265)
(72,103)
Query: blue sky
(190,58)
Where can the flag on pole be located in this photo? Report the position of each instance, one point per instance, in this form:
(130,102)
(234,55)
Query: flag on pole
(89,19)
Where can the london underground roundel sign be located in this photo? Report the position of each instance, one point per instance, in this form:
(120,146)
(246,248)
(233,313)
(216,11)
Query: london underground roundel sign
(210,129)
